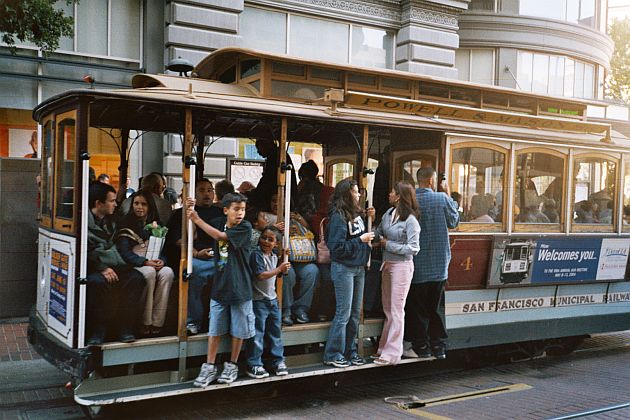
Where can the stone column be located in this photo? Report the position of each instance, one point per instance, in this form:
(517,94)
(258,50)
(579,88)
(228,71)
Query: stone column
(427,40)
(195,28)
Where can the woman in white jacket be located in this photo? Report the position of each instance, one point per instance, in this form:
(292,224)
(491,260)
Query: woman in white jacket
(399,236)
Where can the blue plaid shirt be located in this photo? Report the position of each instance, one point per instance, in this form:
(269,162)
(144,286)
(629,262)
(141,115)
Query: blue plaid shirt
(438,214)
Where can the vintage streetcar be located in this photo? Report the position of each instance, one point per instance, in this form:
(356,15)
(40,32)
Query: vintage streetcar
(539,257)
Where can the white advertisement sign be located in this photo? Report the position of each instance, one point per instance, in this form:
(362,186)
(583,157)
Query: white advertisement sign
(613,258)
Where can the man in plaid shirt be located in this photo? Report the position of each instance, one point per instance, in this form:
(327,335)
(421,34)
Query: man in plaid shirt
(425,322)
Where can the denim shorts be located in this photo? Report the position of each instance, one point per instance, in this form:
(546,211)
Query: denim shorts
(238,320)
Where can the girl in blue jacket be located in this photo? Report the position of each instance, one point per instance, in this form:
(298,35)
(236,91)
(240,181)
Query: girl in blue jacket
(349,245)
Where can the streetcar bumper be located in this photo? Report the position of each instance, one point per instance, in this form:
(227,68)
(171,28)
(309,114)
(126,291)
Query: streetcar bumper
(74,362)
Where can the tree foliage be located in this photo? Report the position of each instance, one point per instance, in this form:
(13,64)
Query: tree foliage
(35,21)
(618,83)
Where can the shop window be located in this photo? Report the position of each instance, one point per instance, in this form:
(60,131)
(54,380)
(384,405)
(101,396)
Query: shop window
(477,183)
(64,171)
(46,181)
(626,197)
(594,192)
(538,193)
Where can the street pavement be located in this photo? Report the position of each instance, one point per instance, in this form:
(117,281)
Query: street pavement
(596,376)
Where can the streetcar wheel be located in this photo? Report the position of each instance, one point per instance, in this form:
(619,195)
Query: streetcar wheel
(564,346)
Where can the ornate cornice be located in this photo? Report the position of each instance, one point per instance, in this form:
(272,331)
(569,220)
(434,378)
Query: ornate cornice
(382,9)
(430,16)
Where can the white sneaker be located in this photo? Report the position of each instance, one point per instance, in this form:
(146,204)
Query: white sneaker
(410,353)
(229,374)
(207,375)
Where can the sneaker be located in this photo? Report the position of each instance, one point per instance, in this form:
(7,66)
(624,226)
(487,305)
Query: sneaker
(126,336)
(302,318)
(96,339)
(257,372)
(375,356)
(381,362)
(424,352)
(229,374)
(281,369)
(340,363)
(439,352)
(206,376)
(410,354)
(286,320)
(357,360)
(192,328)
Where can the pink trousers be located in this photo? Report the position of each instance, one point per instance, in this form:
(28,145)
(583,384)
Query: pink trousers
(395,282)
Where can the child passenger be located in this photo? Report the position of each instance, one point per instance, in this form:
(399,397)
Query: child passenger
(265,267)
(231,299)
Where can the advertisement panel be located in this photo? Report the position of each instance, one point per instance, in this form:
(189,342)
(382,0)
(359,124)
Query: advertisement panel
(58,302)
(558,260)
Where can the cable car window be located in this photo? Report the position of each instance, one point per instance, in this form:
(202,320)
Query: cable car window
(338,172)
(477,184)
(626,197)
(249,68)
(47,172)
(594,190)
(538,191)
(64,171)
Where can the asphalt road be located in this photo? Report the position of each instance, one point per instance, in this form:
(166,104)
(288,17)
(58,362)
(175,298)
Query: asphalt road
(595,377)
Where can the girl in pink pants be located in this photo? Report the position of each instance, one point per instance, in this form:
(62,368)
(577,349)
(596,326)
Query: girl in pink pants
(399,236)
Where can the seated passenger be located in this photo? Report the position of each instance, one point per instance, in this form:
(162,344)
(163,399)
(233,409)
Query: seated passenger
(584,212)
(550,210)
(606,214)
(479,207)
(299,284)
(626,215)
(132,241)
(532,214)
(265,267)
(108,274)
(154,182)
(203,253)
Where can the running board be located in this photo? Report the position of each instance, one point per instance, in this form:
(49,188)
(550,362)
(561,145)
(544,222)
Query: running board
(123,389)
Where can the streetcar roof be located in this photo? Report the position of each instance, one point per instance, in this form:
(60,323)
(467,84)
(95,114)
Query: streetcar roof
(218,60)
(222,97)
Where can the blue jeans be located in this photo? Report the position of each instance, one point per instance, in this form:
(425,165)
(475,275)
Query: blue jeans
(348,282)
(203,270)
(268,329)
(308,275)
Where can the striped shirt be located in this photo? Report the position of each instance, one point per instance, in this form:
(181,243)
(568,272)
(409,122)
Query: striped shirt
(438,214)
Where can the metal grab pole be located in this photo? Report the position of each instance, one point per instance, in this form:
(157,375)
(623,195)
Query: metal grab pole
(287,213)
(85,187)
(189,248)
(369,229)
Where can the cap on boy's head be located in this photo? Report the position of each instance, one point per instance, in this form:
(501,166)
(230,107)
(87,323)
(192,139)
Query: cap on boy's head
(230,198)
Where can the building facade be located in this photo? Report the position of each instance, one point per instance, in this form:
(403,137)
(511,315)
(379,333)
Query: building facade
(558,48)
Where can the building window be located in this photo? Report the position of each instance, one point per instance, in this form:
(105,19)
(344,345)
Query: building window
(270,37)
(104,28)
(539,188)
(317,39)
(581,12)
(483,5)
(594,191)
(475,65)
(477,182)
(626,196)
(555,75)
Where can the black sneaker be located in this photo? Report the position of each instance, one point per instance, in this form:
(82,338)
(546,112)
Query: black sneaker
(286,320)
(281,369)
(339,363)
(424,352)
(302,318)
(127,337)
(439,352)
(357,360)
(96,339)
(257,372)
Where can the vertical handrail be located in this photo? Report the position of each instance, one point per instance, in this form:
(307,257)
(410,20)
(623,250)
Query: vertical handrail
(191,233)
(85,188)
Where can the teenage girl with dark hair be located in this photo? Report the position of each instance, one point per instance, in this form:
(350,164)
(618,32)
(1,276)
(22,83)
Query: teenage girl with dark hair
(131,238)
(349,245)
(399,237)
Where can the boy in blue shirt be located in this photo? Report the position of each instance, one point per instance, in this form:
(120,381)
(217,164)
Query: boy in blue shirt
(231,298)
(265,267)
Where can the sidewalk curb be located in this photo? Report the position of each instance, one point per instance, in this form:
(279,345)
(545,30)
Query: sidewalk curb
(17,320)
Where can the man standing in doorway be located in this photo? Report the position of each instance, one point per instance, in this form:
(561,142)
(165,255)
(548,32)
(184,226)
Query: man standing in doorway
(425,321)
